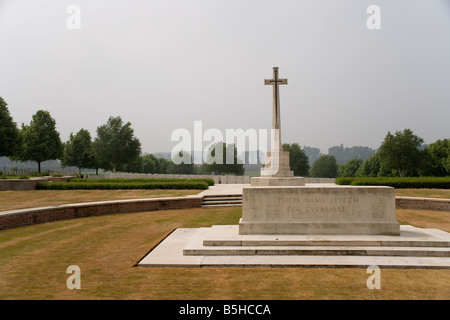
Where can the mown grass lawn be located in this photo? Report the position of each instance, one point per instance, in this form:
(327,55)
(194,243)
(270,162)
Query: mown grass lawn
(425,193)
(12,200)
(34,260)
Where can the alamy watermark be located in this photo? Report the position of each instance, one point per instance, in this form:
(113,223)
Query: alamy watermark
(373,22)
(374,281)
(73,21)
(191,147)
(74,280)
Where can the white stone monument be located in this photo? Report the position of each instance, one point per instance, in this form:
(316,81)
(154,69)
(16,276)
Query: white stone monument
(277,171)
(313,225)
(279,203)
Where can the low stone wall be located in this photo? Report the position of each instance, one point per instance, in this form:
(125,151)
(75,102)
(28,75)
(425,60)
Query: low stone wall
(422,203)
(24,217)
(26,184)
(17,184)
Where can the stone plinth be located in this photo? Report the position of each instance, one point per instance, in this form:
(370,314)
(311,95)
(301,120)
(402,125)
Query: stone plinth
(277,181)
(319,210)
(277,165)
(277,172)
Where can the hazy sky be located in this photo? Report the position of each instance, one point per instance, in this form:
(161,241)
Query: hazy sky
(163,64)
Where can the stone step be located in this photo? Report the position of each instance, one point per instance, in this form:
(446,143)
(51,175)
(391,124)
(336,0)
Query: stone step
(229,236)
(226,200)
(223,195)
(222,205)
(222,199)
(323,243)
(320,251)
(169,253)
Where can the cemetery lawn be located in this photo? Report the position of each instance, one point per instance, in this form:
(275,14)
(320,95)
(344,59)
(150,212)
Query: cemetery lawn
(425,193)
(34,260)
(12,200)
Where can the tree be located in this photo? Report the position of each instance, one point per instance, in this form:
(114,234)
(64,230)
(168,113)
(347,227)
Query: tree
(78,151)
(182,168)
(370,167)
(218,162)
(312,153)
(400,154)
(41,141)
(150,164)
(9,133)
(350,168)
(115,144)
(325,167)
(298,161)
(436,159)
(344,155)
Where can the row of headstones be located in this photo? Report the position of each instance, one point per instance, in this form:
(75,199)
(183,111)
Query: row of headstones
(217,179)
(24,172)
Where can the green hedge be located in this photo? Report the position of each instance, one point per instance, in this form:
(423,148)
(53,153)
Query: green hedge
(210,182)
(122,185)
(397,182)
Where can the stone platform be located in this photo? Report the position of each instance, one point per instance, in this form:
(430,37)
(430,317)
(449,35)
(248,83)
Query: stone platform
(223,246)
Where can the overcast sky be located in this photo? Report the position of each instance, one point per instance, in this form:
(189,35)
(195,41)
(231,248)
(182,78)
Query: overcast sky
(163,64)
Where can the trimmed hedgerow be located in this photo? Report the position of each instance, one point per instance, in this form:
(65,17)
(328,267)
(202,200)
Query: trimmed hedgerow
(122,185)
(398,182)
(210,182)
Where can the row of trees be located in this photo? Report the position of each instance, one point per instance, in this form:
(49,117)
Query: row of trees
(115,148)
(401,154)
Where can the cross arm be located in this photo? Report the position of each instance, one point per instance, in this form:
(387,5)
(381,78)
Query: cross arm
(272,82)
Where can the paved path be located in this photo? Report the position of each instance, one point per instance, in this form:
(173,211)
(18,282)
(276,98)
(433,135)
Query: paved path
(235,188)
(221,189)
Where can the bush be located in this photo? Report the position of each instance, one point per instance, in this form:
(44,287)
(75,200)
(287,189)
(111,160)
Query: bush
(209,182)
(399,183)
(121,185)
(344,180)
(42,174)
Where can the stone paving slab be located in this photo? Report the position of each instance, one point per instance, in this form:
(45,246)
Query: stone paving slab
(169,253)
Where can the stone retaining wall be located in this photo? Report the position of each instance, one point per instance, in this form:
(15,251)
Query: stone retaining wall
(24,217)
(26,184)
(17,184)
(422,203)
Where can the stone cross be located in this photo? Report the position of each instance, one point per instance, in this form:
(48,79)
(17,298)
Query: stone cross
(276,119)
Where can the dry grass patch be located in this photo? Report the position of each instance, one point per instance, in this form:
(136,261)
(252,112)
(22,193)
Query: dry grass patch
(11,200)
(425,218)
(425,193)
(34,259)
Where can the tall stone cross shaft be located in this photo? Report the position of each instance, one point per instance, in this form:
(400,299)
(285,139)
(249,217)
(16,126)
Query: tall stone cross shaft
(276,119)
